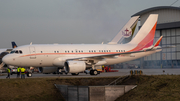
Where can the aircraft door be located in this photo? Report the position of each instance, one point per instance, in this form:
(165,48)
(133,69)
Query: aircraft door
(33,52)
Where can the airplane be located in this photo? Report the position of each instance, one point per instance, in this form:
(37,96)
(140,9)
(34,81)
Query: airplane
(4,52)
(75,58)
(6,49)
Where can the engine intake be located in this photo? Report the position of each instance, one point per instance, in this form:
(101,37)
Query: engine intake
(74,66)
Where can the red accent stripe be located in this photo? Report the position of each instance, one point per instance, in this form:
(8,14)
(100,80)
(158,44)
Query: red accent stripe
(157,44)
(147,41)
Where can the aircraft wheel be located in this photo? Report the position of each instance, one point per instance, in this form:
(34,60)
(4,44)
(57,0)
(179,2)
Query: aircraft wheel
(29,74)
(91,72)
(95,72)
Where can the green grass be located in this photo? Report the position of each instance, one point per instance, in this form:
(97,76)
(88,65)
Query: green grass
(154,88)
(42,89)
(149,88)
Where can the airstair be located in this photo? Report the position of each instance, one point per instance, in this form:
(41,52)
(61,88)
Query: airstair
(2,65)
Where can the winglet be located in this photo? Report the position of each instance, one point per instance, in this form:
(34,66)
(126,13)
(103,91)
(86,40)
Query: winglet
(158,41)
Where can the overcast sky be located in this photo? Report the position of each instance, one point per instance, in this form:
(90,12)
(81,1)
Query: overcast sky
(67,21)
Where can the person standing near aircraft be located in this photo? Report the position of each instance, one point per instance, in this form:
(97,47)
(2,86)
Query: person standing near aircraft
(18,72)
(23,73)
(8,71)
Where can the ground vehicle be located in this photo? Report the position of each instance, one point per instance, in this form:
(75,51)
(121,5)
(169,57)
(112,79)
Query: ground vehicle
(13,71)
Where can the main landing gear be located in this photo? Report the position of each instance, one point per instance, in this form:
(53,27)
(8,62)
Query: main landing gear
(93,72)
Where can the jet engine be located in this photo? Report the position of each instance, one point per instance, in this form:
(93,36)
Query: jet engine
(74,66)
(48,69)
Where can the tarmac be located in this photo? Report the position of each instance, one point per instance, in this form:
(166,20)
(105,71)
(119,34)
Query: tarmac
(121,72)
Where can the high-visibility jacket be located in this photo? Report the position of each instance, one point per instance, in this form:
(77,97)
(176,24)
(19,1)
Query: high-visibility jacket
(8,70)
(23,70)
(18,69)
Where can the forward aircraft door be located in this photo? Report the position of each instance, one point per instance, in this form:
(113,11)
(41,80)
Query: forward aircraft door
(32,52)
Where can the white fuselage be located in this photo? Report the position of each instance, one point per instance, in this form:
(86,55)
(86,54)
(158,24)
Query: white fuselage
(45,55)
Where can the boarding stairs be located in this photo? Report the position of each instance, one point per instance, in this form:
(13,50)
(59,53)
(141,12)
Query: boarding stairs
(2,65)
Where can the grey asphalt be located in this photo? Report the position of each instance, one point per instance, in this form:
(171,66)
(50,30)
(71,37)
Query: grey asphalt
(121,72)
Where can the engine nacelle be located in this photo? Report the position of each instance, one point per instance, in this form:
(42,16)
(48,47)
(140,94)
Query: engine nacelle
(74,66)
(59,62)
(48,69)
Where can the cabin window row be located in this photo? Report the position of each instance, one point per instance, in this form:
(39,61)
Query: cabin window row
(80,51)
(74,51)
(120,50)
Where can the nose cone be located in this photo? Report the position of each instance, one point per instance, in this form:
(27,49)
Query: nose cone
(6,59)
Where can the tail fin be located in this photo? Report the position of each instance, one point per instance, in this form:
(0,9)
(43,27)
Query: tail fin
(13,44)
(145,37)
(130,26)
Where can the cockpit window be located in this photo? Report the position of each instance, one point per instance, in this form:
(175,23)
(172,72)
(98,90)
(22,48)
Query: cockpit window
(16,51)
(12,51)
(20,51)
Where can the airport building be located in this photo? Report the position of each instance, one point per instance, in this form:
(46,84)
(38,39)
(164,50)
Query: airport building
(168,26)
